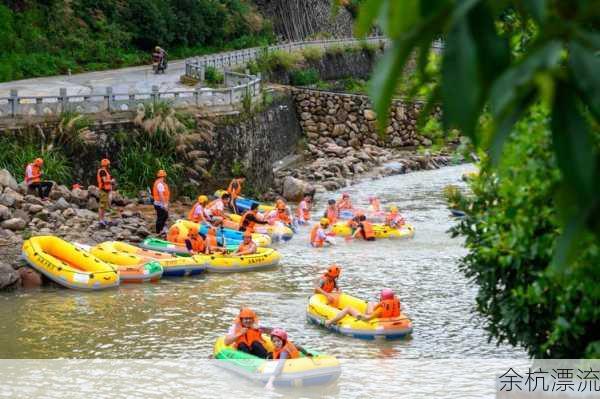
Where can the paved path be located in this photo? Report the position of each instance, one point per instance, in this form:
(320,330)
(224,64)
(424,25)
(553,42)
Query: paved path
(125,80)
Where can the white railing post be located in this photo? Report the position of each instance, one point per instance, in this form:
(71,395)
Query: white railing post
(14,102)
(64,101)
(154,94)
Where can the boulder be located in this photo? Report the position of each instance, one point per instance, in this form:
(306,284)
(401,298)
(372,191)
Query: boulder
(33,200)
(4,213)
(29,277)
(61,204)
(59,191)
(21,214)
(369,114)
(117,199)
(94,191)
(7,180)
(294,189)
(79,196)
(9,277)
(69,213)
(14,224)
(34,208)
(11,198)
(92,204)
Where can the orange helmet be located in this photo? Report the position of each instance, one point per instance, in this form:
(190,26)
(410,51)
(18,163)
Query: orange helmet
(247,313)
(334,271)
(38,162)
(104,162)
(161,173)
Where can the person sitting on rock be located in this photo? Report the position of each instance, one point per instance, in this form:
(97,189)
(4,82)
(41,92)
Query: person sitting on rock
(247,247)
(33,179)
(364,230)
(194,243)
(318,234)
(198,214)
(387,307)
(303,210)
(394,219)
(246,336)
(345,203)
(332,211)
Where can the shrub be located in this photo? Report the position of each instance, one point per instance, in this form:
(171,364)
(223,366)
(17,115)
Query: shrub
(335,49)
(313,53)
(279,60)
(213,76)
(304,77)
(160,117)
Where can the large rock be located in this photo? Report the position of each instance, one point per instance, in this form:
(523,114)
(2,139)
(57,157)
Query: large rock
(4,213)
(79,196)
(59,191)
(29,277)
(61,204)
(294,189)
(369,115)
(94,191)
(14,224)
(7,180)
(34,208)
(9,277)
(11,198)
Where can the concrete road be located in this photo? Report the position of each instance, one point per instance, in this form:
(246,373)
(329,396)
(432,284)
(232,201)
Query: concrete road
(125,80)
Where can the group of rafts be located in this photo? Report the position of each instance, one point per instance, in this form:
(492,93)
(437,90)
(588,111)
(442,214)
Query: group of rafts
(110,263)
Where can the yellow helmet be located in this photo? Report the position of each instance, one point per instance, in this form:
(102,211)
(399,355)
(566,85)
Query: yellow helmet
(393,209)
(203,199)
(324,222)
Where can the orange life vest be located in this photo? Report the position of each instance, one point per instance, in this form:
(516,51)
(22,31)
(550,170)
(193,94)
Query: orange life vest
(198,244)
(104,183)
(284,217)
(368,229)
(173,234)
(290,348)
(36,173)
(246,223)
(315,240)
(332,215)
(389,307)
(303,212)
(211,237)
(329,284)
(394,220)
(251,336)
(166,193)
(235,188)
(196,218)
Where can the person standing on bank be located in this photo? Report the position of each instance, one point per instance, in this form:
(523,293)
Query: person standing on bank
(161,196)
(33,179)
(105,185)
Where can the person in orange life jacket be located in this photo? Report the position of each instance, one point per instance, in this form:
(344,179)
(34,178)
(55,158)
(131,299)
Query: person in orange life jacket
(33,179)
(247,247)
(235,189)
(332,211)
(375,204)
(394,219)
(387,307)
(217,207)
(345,202)
(281,214)
(105,185)
(318,234)
(303,210)
(195,243)
(161,195)
(214,232)
(245,334)
(250,218)
(364,230)
(197,213)
(284,350)
(328,284)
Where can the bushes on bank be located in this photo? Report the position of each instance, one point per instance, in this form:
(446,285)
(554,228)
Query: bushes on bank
(213,76)
(304,77)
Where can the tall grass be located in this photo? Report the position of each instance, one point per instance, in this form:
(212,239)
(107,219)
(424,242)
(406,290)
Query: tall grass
(15,156)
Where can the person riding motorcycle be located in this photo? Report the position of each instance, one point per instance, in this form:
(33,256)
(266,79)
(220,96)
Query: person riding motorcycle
(159,59)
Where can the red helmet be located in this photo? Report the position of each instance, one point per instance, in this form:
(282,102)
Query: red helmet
(334,271)
(279,333)
(247,313)
(387,293)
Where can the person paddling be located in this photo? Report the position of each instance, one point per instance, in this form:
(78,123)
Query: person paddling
(246,336)
(387,307)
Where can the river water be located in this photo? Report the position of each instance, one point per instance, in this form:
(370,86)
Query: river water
(181,318)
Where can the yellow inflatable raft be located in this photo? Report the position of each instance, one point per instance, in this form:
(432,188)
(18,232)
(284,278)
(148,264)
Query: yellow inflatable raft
(121,253)
(230,236)
(67,265)
(265,258)
(318,369)
(319,310)
(381,230)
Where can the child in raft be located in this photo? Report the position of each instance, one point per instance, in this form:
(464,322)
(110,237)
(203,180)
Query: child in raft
(332,211)
(328,286)
(284,350)
(214,231)
(388,306)
(394,219)
(247,247)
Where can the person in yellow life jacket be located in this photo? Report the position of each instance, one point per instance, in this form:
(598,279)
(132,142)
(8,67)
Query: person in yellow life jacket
(387,307)
(318,234)
(394,219)
(245,335)
(375,204)
(194,243)
(235,190)
(161,196)
(247,247)
(284,349)
(216,209)
(105,185)
(364,230)
(345,203)
(303,210)
(328,286)
(250,218)
(33,179)
(197,214)
(332,211)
